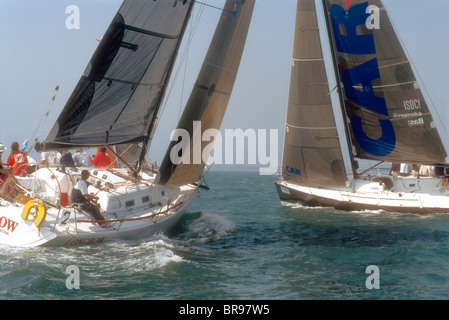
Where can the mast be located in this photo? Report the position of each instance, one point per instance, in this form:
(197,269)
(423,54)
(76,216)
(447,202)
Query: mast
(339,89)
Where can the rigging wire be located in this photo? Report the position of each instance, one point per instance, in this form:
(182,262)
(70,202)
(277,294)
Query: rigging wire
(211,6)
(40,124)
(185,72)
(182,87)
(34,136)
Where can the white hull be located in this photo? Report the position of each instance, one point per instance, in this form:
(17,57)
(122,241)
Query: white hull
(397,194)
(132,209)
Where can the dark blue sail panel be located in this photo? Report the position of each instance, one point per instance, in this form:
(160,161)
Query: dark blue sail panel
(119,94)
(349,41)
(389,117)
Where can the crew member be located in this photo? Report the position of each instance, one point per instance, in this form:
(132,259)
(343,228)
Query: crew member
(81,195)
(101,159)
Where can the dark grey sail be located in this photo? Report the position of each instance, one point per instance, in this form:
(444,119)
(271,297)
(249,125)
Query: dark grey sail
(389,117)
(209,98)
(118,96)
(312,152)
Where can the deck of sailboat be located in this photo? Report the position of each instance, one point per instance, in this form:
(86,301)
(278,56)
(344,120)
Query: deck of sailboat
(131,208)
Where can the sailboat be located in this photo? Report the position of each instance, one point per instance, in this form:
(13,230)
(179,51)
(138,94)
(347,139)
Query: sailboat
(380,114)
(116,105)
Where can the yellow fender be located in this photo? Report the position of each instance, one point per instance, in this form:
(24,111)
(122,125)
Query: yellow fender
(41,211)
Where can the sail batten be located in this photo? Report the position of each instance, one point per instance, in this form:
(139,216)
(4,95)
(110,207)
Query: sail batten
(310,128)
(306,60)
(147,32)
(388,85)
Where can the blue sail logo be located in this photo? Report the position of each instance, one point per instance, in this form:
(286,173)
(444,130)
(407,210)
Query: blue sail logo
(293,170)
(364,74)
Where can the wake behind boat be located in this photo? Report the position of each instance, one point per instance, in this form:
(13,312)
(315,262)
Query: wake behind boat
(385,116)
(116,105)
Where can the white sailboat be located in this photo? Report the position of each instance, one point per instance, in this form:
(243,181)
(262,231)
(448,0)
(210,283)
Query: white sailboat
(384,113)
(115,105)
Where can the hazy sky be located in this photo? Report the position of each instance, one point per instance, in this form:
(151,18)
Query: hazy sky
(38,52)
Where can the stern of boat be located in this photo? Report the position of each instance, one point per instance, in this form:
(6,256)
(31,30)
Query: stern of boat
(18,232)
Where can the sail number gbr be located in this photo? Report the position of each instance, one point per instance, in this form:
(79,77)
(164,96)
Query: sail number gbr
(361,44)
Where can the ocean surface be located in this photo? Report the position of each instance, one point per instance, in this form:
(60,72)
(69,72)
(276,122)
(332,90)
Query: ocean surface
(237,242)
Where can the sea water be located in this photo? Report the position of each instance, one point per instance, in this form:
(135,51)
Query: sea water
(237,242)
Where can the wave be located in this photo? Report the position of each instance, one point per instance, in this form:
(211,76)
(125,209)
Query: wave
(208,227)
(119,257)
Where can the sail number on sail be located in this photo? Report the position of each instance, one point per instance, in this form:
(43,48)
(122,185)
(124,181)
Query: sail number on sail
(364,74)
(412,105)
(414,116)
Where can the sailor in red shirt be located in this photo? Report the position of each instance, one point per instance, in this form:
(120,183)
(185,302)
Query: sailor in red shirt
(17,160)
(101,159)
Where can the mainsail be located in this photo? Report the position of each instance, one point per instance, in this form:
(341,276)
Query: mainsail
(388,115)
(207,104)
(312,153)
(116,101)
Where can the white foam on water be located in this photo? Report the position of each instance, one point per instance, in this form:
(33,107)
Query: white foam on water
(142,257)
(368,211)
(210,227)
(298,205)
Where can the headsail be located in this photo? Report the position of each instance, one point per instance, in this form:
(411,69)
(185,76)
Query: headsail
(209,98)
(118,96)
(312,153)
(388,115)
